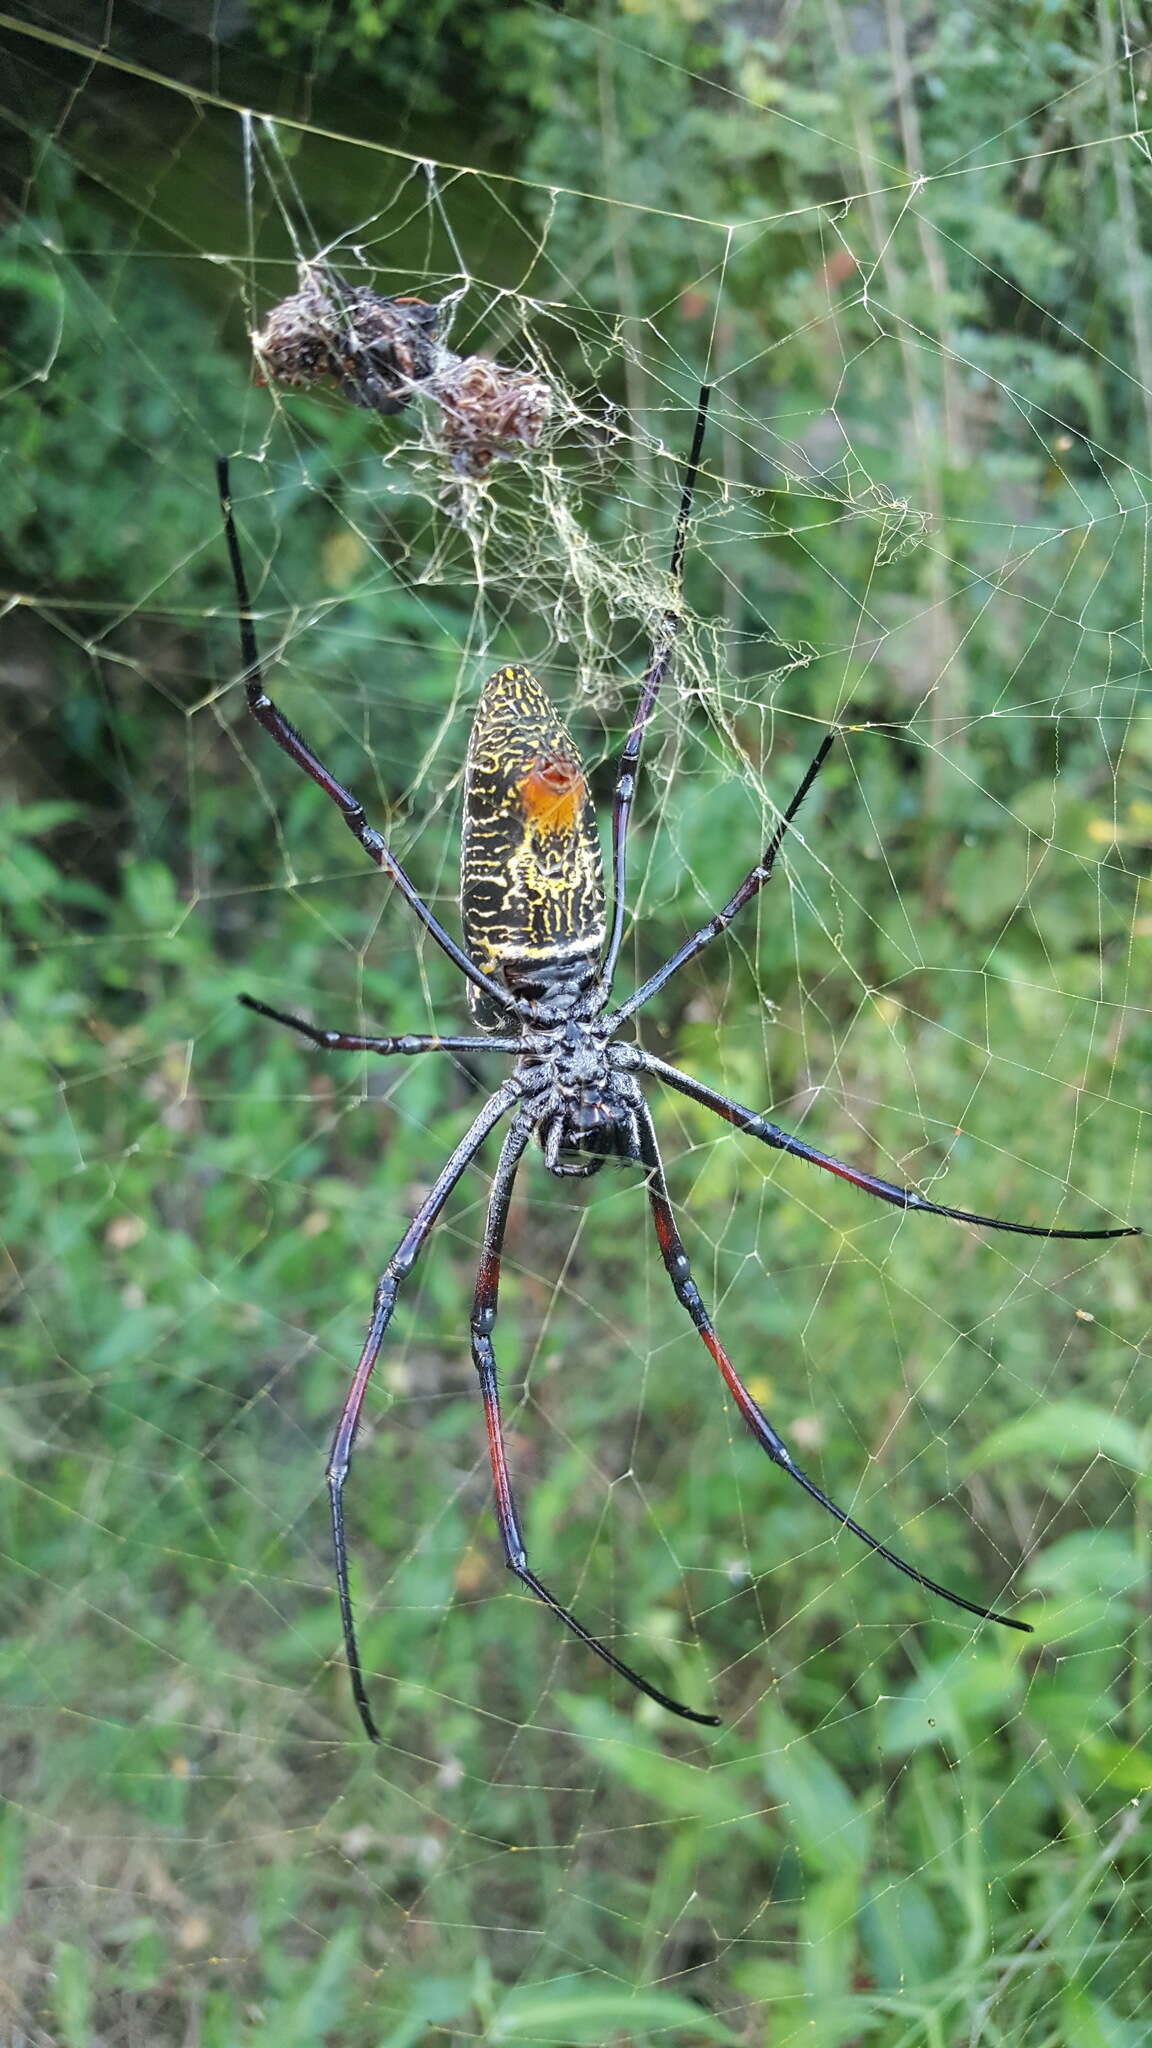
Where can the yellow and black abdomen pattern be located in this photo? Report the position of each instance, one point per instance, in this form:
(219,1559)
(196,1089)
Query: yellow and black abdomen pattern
(532,884)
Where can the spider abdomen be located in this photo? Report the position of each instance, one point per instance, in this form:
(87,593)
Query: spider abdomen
(532,884)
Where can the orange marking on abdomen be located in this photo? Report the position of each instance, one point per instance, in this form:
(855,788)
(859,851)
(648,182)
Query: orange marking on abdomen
(552,794)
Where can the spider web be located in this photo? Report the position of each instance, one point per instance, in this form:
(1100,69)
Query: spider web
(909,254)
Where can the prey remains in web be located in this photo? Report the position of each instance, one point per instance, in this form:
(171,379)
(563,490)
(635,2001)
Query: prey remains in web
(539,959)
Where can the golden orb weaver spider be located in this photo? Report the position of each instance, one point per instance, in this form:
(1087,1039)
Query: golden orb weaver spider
(539,957)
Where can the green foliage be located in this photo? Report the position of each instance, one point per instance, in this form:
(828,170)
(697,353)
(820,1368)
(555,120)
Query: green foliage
(430,59)
(902,1834)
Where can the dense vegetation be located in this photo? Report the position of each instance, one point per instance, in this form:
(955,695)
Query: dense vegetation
(905,1833)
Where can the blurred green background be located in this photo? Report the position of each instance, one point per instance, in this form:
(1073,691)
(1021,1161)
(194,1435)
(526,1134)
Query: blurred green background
(911,248)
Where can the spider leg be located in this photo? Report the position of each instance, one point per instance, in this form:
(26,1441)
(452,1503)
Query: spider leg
(296,747)
(387,1288)
(754,1126)
(680,1273)
(484,1310)
(348,1041)
(753,882)
(649,691)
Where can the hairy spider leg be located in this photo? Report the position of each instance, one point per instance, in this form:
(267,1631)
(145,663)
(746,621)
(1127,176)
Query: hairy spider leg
(753,882)
(296,747)
(680,1273)
(754,1126)
(625,791)
(387,1288)
(350,1041)
(484,1309)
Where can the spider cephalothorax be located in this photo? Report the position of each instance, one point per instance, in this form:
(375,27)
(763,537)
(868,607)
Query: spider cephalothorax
(582,1097)
(539,960)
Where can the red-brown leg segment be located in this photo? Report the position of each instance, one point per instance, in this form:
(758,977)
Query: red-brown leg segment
(484,1309)
(680,1273)
(754,1126)
(387,1288)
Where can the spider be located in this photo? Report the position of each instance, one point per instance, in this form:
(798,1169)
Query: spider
(539,956)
